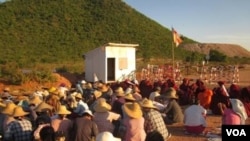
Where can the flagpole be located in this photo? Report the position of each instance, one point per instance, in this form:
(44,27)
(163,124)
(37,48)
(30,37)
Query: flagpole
(173,68)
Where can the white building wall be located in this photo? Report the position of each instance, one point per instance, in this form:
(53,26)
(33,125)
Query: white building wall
(96,61)
(122,52)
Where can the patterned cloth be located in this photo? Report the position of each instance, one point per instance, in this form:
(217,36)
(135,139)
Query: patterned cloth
(19,130)
(154,121)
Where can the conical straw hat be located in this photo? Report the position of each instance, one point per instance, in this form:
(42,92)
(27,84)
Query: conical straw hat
(35,100)
(102,105)
(97,93)
(129,97)
(43,106)
(18,112)
(146,103)
(133,110)
(119,91)
(63,110)
(8,110)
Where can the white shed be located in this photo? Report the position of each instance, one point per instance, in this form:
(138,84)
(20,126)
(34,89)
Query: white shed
(111,62)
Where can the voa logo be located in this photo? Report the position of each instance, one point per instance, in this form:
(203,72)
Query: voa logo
(236,132)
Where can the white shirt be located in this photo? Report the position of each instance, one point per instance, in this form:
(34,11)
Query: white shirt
(194,115)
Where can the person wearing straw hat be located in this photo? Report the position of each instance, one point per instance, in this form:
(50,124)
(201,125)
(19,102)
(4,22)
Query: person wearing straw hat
(44,109)
(106,136)
(62,125)
(134,122)
(21,128)
(153,119)
(136,93)
(173,110)
(103,117)
(84,128)
(7,112)
(106,90)
(95,96)
(119,100)
(81,105)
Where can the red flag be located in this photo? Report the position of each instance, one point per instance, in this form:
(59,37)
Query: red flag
(176,37)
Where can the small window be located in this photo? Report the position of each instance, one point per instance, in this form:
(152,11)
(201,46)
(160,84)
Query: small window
(123,63)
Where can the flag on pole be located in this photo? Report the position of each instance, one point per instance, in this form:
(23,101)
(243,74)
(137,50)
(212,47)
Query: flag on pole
(176,37)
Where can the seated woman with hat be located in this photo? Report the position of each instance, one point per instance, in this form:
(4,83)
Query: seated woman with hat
(133,122)
(103,117)
(21,128)
(153,119)
(62,125)
(173,110)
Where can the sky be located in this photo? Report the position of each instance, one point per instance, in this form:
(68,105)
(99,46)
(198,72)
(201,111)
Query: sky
(205,21)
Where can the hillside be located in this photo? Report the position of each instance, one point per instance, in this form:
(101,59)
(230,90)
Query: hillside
(60,32)
(230,50)
(63,30)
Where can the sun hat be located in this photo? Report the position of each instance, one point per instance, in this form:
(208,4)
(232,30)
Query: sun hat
(52,89)
(78,95)
(8,110)
(83,82)
(43,106)
(88,85)
(106,136)
(63,110)
(35,100)
(129,97)
(146,103)
(87,111)
(171,93)
(18,112)
(132,109)
(102,105)
(119,91)
(97,93)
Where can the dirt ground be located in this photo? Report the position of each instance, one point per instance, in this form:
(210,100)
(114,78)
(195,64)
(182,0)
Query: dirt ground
(213,128)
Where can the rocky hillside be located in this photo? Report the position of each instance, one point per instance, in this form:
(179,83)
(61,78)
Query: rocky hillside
(230,50)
